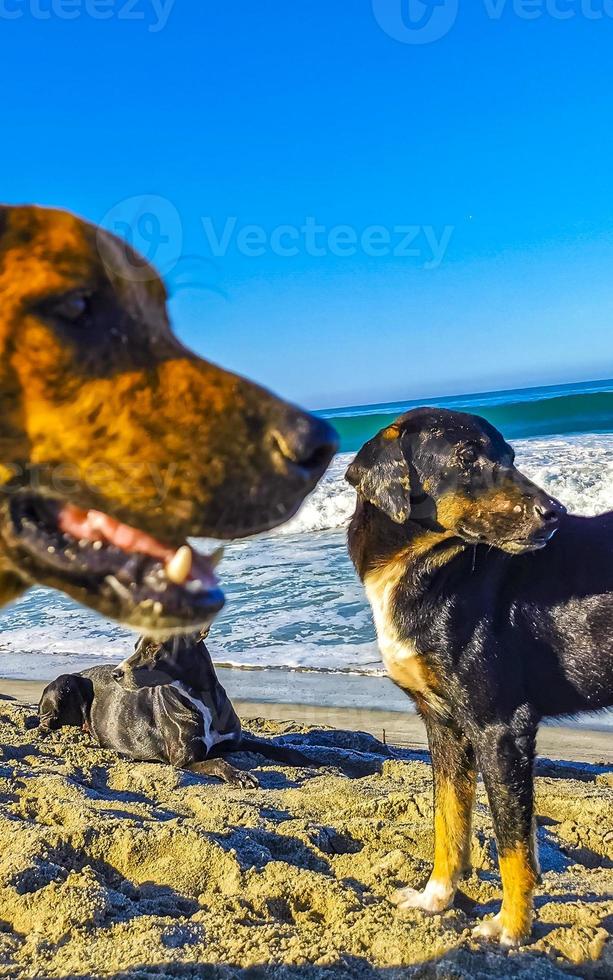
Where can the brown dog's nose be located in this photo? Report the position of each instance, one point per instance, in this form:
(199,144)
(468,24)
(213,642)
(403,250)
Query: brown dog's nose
(549,511)
(118,674)
(306,441)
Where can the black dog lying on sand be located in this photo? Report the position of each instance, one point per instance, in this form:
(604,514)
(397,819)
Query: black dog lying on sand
(162,704)
(494,609)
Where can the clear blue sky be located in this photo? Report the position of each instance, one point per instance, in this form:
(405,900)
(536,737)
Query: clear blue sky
(273,113)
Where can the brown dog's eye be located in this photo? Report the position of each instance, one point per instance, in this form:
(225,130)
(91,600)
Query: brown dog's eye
(71,307)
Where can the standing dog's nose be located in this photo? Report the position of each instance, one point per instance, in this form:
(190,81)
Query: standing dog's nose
(118,674)
(306,441)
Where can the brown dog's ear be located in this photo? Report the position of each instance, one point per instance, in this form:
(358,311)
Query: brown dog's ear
(4,218)
(380,474)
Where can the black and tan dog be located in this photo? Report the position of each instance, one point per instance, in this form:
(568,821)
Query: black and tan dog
(163,704)
(493,610)
(116,442)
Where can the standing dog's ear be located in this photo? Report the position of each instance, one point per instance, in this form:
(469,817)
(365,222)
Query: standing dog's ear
(380,474)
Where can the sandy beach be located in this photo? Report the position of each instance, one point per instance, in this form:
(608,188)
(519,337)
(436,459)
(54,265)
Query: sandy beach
(115,869)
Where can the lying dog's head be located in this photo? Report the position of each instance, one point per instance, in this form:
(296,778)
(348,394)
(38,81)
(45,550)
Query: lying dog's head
(158,662)
(454,473)
(116,442)
(65,701)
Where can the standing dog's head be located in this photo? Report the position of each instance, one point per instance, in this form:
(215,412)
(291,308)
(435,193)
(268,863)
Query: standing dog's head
(116,442)
(454,473)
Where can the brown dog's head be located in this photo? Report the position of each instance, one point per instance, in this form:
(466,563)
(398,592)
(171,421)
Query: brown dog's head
(454,474)
(116,442)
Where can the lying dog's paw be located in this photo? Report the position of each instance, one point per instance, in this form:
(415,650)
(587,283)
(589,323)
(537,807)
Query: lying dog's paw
(244,780)
(494,929)
(436,897)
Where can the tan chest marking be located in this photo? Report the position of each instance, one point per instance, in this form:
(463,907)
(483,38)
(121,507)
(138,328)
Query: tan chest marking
(399,654)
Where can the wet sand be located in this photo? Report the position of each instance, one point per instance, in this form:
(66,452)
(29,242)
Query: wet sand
(110,868)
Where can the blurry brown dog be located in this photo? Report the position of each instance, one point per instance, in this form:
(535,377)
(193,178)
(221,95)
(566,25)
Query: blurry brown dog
(116,442)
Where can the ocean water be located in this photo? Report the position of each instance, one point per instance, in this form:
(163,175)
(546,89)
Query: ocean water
(293,599)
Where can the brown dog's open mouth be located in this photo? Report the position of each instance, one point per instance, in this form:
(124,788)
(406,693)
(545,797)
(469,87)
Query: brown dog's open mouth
(116,569)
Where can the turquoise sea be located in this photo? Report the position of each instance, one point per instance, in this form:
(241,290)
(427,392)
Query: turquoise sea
(519,413)
(292,597)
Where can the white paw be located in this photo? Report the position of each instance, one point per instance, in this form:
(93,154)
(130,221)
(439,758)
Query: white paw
(436,897)
(493,929)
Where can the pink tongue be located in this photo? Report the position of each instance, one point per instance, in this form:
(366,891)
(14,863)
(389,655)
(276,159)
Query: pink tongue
(93,525)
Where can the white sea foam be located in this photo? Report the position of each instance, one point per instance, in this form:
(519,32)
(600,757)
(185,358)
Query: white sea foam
(578,470)
(331,504)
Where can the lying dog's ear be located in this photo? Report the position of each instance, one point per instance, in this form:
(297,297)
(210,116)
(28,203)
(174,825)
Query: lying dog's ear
(380,474)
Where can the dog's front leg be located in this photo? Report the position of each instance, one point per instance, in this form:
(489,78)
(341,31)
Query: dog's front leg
(506,760)
(454,792)
(224,771)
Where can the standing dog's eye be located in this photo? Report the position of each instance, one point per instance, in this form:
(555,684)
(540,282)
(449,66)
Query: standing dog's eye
(71,307)
(467,455)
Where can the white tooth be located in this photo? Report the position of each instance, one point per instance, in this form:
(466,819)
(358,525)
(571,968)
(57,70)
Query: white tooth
(119,588)
(180,565)
(158,608)
(97,545)
(216,557)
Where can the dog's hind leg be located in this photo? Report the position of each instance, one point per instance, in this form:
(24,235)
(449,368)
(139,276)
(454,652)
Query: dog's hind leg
(224,771)
(506,760)
(277,753)
(453,767)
